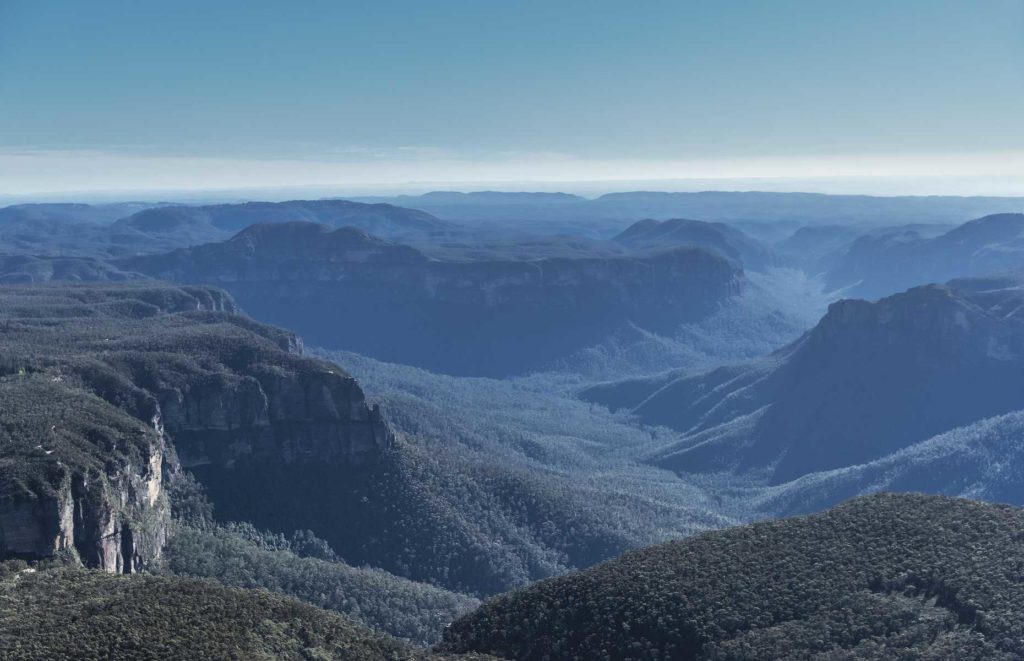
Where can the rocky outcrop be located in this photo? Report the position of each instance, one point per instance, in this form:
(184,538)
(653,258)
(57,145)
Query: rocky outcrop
(870,379)
(107,392)
(316,416)
(120,522)
(80,478)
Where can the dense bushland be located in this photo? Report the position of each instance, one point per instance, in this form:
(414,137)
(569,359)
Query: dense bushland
(81,614)
(304,567)
(885,576)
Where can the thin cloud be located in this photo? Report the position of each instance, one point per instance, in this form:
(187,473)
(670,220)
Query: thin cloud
(25,171)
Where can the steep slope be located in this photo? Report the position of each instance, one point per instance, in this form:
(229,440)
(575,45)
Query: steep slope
(887,576)
(495,483)
(869,379)
(303,567)
(719,237)
(812,242)
(880,264)
(63,614)
(983,460)
(109,390)
(819,248)
(78,477)
(483,317)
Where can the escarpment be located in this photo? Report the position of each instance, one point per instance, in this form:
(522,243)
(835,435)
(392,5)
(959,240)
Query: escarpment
(78,477)
(490,316)
(869,380)
(106,392)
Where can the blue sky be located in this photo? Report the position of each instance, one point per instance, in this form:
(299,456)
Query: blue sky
(255,92)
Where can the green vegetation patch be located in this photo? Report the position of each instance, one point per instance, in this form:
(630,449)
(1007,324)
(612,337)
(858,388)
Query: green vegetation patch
(881,577)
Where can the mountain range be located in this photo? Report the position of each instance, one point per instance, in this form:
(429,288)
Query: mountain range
(887,262)
(581,428)
(622,208)
(118,230)
(869,379)
(888,576)
(482,317)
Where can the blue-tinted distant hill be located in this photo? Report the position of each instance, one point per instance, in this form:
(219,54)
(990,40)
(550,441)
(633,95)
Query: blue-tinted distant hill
(383,220)
(118,230)
(615,211)
(868,380)
(882,263)
(71,212)
(722,238)
(456,310)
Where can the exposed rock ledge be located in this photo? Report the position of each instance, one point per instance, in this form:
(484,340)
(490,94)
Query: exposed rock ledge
(89,435)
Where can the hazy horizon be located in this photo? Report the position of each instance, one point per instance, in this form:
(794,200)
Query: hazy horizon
(917,98)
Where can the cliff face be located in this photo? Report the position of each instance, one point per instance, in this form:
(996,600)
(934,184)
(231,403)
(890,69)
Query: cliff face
(870,379)
(315,416)
(79,477)
(485,317)
(105,392)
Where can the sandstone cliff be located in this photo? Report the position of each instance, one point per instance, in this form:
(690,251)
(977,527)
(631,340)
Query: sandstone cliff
(108,391)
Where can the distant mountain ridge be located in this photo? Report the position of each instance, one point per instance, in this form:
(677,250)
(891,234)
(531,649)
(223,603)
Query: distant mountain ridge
(488,316)
(620,209)
(71,212)
(110,231)
(880,264)
(381,219)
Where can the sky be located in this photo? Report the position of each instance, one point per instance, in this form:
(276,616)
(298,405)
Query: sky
(136,95)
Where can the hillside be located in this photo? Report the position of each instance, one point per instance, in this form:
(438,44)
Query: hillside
(477,317)
(983,460)
(22,269)
(869,379)
(303,566)
(718,237)
(817,248)
(496,483)
(63,614)
(71,212)
(886,576)
(880,264)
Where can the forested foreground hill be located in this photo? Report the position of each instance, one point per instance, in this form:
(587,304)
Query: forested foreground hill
(80,614)
(881,577)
